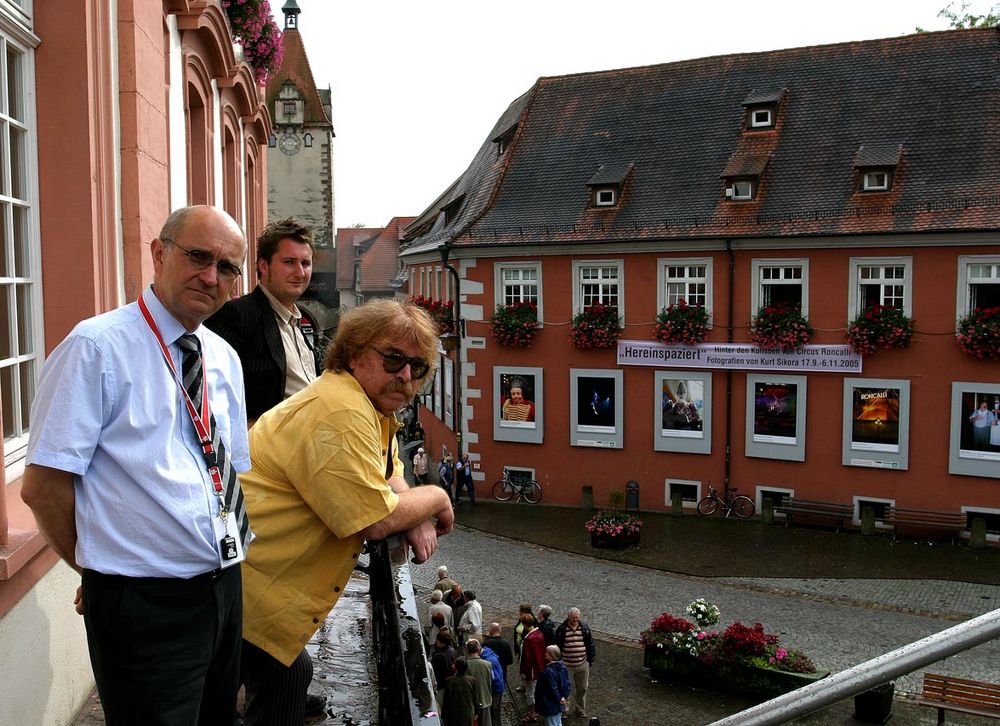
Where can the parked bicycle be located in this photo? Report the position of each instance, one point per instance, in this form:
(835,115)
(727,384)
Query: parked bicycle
(740,505)
(526,489)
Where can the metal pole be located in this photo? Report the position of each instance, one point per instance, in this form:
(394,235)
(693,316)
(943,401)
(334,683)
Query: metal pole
(869,674)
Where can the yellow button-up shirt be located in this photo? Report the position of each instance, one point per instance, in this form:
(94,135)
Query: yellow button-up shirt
(317,481)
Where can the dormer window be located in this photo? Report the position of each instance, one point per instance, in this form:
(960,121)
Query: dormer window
(605,197)
(503,140)
(740,190)
(876,166)
(762,109)
(606,184)
(761,118)
(876,181)
(451,209)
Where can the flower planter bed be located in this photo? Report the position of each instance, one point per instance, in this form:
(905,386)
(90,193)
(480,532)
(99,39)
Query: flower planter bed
(613,542)
(735,677)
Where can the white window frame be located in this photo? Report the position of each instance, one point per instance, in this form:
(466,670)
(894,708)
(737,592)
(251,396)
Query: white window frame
(602,202)
(963,302)
(755,124)
(663,266)
(858,501)
(869,183)
(737,195)
(668,485)
(499,287)
(579,265)
(756,283)
(17,34)
(973,510)
(854,296)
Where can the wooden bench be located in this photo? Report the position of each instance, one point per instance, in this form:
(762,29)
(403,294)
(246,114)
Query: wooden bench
(960,694)
(954,522)
(837,511)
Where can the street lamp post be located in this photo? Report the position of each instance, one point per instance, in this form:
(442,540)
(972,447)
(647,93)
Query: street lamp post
(445,251)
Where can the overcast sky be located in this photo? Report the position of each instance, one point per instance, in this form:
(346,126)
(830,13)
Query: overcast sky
(417,86)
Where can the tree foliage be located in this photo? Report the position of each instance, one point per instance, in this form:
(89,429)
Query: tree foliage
(962,18)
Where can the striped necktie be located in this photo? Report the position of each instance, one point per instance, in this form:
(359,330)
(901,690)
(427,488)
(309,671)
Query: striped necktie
(191,376)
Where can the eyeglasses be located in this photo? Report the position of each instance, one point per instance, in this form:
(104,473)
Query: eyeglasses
(202,260)
(395,362)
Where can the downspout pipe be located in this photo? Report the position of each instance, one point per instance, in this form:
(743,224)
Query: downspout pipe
(457,420)
(729,372)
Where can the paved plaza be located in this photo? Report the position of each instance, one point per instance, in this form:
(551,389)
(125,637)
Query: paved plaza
(837,622)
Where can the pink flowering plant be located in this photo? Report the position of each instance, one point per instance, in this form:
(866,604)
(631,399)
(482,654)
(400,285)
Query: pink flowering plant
(879,327)
(682,323)
(598,326)
(515,325)
(979,333)
(613,524)
(441,311)
(780,326)
(737,644)
(254,28)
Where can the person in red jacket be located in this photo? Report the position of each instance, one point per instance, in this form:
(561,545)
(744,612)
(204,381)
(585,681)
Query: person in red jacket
(532,663)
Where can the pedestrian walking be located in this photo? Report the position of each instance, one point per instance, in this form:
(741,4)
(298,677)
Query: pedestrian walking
(446,473)
(463,478)
(577,645)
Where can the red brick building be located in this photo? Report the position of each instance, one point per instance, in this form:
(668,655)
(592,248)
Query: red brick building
(830,178)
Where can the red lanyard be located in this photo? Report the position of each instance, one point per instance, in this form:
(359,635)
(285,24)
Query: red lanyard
(202,421)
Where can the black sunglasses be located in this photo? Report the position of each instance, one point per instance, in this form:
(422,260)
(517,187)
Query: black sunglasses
(395,362)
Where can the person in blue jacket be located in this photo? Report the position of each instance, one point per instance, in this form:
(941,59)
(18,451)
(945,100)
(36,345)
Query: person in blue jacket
(552,689)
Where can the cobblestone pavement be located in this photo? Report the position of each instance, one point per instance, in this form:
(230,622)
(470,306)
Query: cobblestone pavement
(839,623)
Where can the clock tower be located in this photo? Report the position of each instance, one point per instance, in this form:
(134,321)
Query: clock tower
(300,150)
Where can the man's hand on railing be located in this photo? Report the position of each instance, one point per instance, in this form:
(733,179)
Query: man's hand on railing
(422,540)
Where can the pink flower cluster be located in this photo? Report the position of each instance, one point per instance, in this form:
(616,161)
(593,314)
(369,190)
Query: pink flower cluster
(780,326)
(598,326)
(879,327)
(613,524)
(515,325)
(682,323)
(979,333)
(254,28)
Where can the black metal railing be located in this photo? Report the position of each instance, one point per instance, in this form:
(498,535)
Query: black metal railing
(405,683)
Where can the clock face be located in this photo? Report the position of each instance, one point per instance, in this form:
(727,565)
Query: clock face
(290,144)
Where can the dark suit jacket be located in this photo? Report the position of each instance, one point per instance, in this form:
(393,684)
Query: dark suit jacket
(248,324)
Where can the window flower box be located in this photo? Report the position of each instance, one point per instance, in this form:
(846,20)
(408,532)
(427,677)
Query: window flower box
(515,326)
(682,323)
(879,328)
(253,27)
(780,326)
(979,333)
(598,326)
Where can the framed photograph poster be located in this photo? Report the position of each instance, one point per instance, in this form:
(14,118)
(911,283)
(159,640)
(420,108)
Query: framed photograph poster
(682,419)
(975,429)
(876,423)
(595,408)
(776,416)
(518,411)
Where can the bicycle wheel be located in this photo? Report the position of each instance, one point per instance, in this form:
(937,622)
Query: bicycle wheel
(742,506)
(708,506)
(502,490)
(532,492)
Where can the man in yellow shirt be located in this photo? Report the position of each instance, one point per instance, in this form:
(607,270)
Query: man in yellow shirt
(326,476)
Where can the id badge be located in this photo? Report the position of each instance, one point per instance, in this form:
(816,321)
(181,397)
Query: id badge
(230,548)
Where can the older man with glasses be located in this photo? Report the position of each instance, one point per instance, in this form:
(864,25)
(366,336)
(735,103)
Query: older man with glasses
(326,476)
(137,432)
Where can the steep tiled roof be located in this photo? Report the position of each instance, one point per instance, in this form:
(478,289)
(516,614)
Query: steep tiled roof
(349,241)
(295,66)
(380,258)
(932,96)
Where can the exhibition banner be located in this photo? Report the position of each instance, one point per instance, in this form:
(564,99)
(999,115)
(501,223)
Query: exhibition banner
(739,356)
